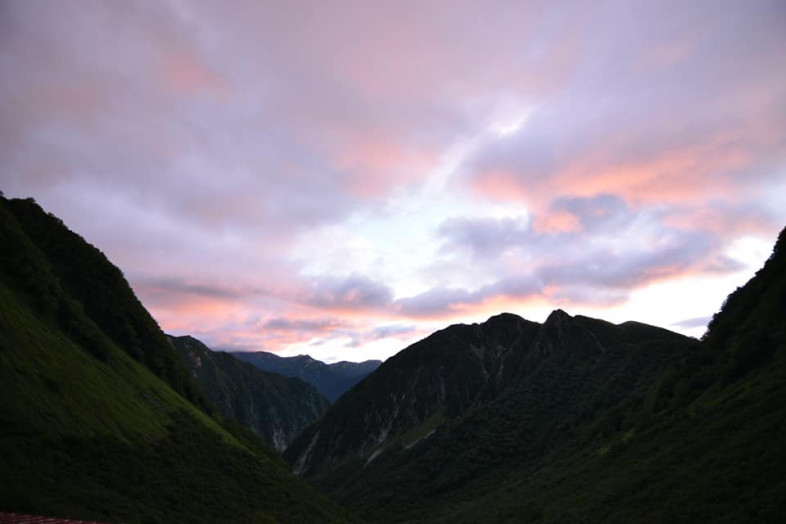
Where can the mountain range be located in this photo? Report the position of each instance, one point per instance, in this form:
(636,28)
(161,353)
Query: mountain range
(572,420)
(332,380)
(575,419)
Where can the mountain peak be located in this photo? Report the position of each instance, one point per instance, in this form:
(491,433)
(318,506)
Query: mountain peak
(558,332)
(558,317)
(504,317)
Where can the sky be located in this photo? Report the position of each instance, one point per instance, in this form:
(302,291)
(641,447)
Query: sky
(342,178)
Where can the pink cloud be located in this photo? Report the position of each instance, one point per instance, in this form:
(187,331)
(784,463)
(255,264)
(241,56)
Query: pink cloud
(726,221)
(186,74)
(707,170)
(558,222)
(372,164)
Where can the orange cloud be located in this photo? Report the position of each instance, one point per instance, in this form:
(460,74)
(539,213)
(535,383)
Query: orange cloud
(368,158)
(669,177)
(195,315)
(502,184)
(720,220)
(376,162)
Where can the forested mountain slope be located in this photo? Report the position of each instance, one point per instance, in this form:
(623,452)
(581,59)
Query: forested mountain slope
(275,407)
(99,419)
(95,286)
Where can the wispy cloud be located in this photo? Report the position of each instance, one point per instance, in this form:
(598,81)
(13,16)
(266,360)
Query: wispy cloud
(354,292)
(302,325)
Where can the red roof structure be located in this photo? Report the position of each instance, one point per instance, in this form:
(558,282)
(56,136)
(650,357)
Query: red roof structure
(15,518)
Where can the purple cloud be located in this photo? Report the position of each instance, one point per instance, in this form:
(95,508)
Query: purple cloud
(614,251)
(303,325)
(684,112)
(439,301)
(485,236)
(393,330)
(436,301)
(353,292)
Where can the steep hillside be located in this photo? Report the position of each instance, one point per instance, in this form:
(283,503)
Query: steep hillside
(275,407)
(595,423)
(88,430)
(748,332)
(433,380)
(332,380)
(90,282)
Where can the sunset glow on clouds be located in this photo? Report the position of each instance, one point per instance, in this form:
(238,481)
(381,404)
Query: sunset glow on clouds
(343,178)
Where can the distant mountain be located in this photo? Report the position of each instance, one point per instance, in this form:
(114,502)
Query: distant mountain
(332,380)
(275,407)
(573,420)
(99,418)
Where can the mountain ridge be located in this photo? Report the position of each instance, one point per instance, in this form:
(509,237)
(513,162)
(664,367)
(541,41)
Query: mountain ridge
(331,380)
(448,373)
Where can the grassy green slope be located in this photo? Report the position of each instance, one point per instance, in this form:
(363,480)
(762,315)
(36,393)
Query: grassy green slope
(88,432)
(51,385)
(101,290)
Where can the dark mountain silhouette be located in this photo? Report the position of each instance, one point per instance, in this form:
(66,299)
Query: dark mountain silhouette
(465,367)
(574,420)
(275,407)
(332,380)
(99,418)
